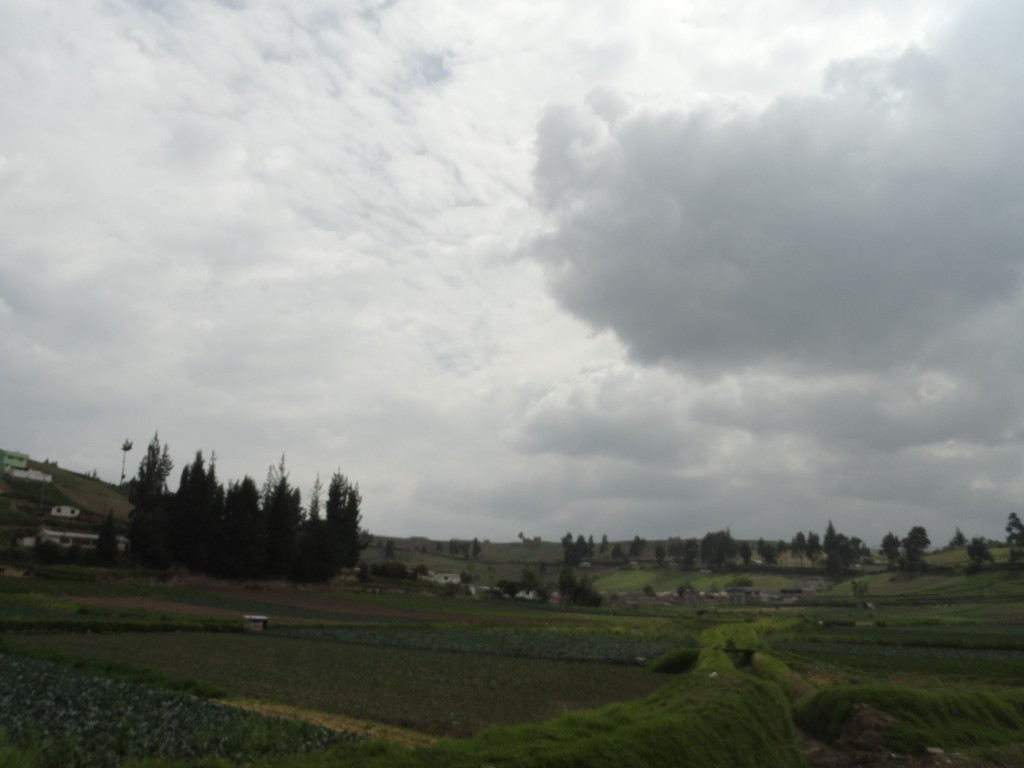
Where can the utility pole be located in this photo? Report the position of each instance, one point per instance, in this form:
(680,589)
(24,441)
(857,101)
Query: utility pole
(125,447)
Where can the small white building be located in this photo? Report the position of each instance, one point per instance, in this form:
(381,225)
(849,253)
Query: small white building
(29,474)
(65,511)
(68,539)
(445,578)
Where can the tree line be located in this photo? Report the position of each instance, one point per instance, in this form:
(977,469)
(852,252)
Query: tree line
(242,530)
(836,552)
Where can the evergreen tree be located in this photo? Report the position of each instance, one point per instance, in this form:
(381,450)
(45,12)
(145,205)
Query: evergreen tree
(149,521)
(914,545)
(244,532)
(746,553)
(344,520)
(891,547)
(106,544)
(283,509)
(196,512)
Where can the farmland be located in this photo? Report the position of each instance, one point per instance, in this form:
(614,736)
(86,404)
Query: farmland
(470,682)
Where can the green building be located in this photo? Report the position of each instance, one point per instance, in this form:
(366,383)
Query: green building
(13,460)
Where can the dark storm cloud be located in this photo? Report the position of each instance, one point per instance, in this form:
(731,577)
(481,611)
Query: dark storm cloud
(848,231)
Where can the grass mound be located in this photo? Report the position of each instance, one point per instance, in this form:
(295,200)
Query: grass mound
(728,720)
(910,720)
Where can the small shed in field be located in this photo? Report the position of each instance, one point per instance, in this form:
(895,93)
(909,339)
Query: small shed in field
(255,623)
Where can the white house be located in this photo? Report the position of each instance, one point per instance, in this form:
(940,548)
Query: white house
(65,511)
(29,474)
(68,539)
(445,578)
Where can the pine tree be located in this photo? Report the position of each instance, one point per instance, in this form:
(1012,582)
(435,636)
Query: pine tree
(283,509)
(149,521)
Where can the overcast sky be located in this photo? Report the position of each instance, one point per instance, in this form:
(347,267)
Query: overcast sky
(653,268)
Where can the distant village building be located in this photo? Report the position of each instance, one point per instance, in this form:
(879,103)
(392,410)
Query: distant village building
(28,474)
(801,590)
(13,460)
(68,539)
(445,578)
(65,512)
(744,595)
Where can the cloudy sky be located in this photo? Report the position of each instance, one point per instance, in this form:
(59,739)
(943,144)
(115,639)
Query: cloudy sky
(655,268)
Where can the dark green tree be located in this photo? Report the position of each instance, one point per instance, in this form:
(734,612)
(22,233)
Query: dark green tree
(717,548)
(891,547)
(798,545)
(746,553)
(149,526)
(106,544)
(196,515)
(813,547)
(637,546)
(767,552)
(344,517)
(282,505)
(242,549)
(958,540)
(659,555)
(604,543)
(978,552)
(915,544)
(1015,538)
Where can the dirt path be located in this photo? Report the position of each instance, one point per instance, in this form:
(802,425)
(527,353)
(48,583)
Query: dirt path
(342,723)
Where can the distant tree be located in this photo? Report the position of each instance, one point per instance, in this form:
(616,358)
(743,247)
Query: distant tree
(798,545)
(344,520)
(1015,538)
(604,543)
(637,546)
(244,532)
(915,543)
(316,499)
(860,588)
(746,553)
(659,555)
(717,548)
(591,548)
(978,552)
(767,552)
(389,550)
(830,542)
(835,565)
(477,549)
(891,547)
(106,544)
(283,508)
(813,547)
(196,514)
(958,540)
(691,552)
(149,526)
(618,553)
(781,547)
(570,554)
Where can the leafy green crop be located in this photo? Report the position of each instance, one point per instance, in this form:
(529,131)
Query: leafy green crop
(75,719)
(555,645)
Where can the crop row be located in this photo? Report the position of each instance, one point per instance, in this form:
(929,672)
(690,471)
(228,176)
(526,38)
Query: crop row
(993,665)
(77,719)
(552,645)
